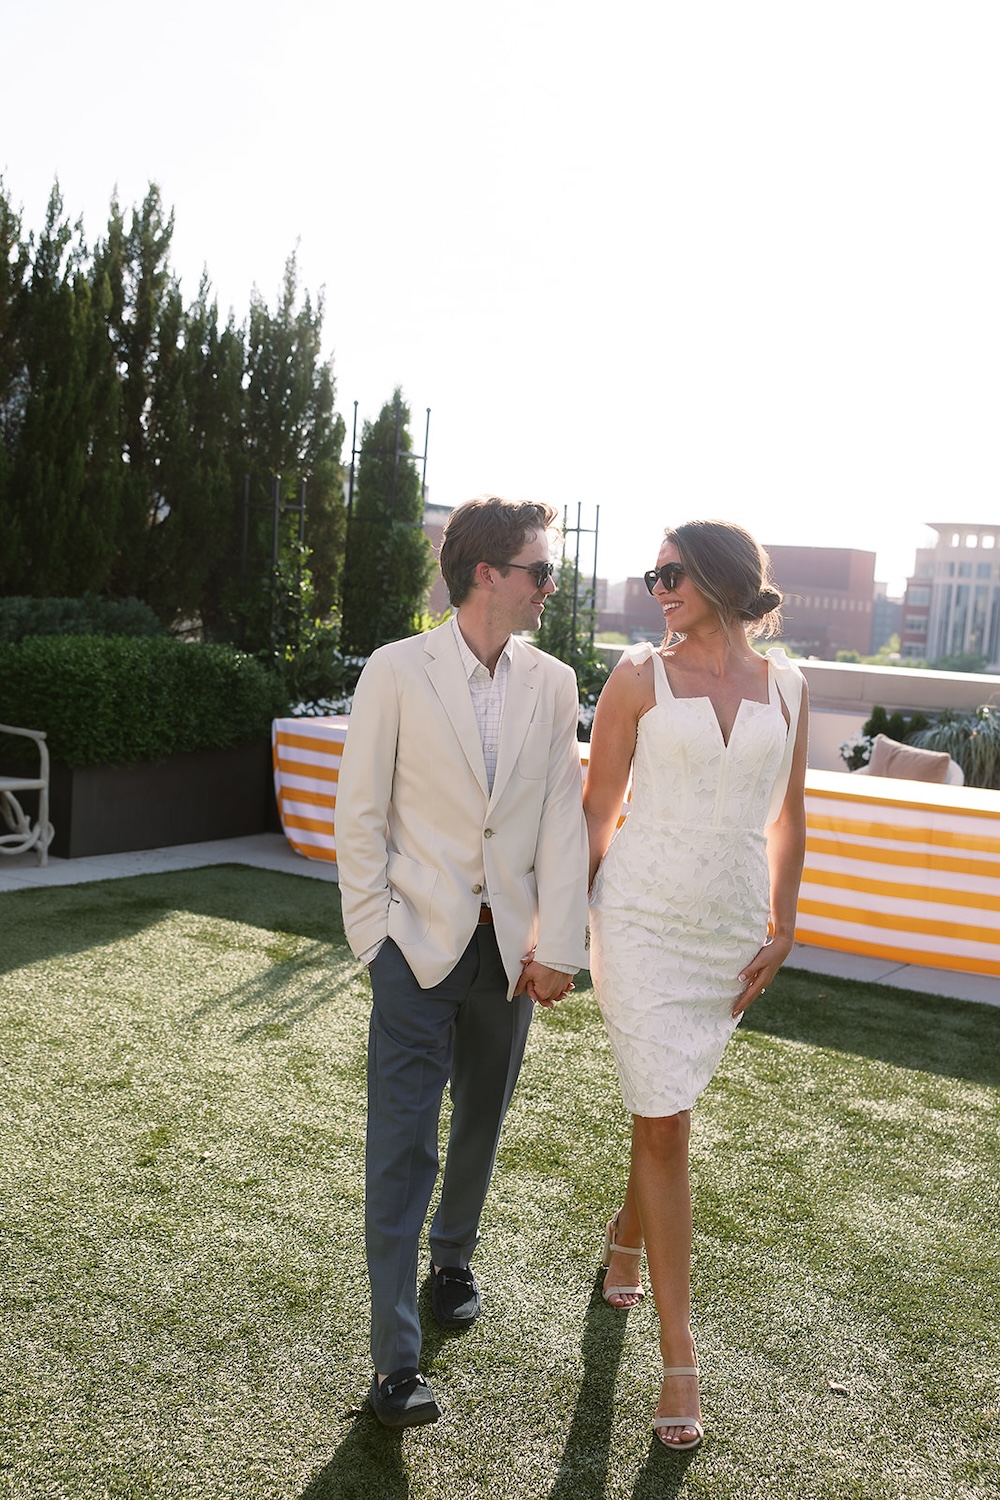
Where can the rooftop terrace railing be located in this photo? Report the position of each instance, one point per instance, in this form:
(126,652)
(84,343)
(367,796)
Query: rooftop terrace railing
(902,870)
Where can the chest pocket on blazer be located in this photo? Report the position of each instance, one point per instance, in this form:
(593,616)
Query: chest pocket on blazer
(533,759)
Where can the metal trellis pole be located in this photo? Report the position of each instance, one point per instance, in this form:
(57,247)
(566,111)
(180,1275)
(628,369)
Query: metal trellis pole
(579,530)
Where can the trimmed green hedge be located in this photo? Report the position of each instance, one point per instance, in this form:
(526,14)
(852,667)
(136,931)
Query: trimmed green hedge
(105,700)
(21,616)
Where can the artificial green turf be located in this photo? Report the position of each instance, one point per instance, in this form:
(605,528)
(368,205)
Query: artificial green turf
(183,1292)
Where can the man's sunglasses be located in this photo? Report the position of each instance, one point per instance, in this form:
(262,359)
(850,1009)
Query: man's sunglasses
(541,572)
(669,575)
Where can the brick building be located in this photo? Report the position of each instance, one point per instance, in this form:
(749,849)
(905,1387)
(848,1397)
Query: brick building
(629,609)
(829,602)
(435,517)
(829,594)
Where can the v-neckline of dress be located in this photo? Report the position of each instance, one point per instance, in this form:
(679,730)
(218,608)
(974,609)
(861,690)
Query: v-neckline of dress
(767,702)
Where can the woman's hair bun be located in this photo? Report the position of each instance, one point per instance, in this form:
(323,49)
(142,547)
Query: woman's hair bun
(763,603)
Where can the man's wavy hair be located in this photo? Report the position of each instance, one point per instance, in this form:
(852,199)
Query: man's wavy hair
(491,531)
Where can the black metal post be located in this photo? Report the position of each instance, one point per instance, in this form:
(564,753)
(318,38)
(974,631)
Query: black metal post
(395,460)
(275,543)
(275,517)
(593,581)
(350,477)
(246,525)
(576,572)
(578,530)
(403,453)
(423,479)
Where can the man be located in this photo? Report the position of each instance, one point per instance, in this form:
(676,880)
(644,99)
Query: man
(462,857)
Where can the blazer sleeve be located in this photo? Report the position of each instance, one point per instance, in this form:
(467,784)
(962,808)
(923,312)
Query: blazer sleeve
(364,790)
(561,858)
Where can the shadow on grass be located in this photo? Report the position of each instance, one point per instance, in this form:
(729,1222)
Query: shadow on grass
(663,1473)
(292,988)
(45,922)
(368,1463)
(583,1468)
(927,1033)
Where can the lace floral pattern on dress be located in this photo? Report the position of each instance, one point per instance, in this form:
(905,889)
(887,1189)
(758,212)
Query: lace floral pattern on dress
(680,901)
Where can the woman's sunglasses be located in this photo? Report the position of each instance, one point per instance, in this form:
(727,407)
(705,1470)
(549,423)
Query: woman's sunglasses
(669,575)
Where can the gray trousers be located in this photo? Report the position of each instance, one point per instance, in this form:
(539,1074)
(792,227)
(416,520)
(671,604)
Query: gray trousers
(463,1029)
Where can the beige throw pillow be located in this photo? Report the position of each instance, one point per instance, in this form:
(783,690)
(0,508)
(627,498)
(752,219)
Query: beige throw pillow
(890,758)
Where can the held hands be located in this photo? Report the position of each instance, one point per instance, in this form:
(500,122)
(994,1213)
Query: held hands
(541,984)
(760,971)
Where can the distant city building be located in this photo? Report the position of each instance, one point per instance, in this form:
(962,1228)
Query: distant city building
(435,517)
(952,603)
(832,602)
(887,618)
(829,594)
(829,602)
(629,609)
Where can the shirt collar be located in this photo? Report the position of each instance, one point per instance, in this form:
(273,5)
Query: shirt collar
(470,661)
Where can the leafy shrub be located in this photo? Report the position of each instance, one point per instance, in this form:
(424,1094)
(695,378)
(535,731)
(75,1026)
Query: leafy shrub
(895,726)
(971,738)
(856,751)
(318,677)
(21,616)
(960,661)
(105,700)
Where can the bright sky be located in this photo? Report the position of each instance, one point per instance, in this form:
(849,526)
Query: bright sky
(676,258)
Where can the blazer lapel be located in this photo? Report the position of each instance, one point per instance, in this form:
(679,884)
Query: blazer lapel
(445,674)
(518,709)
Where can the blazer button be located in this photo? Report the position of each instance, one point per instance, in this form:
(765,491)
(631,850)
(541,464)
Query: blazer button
(477,890)
(487,833)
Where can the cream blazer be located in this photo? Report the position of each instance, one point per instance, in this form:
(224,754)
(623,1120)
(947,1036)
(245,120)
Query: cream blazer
(418,834)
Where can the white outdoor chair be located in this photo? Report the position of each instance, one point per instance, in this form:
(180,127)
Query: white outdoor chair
(23,833)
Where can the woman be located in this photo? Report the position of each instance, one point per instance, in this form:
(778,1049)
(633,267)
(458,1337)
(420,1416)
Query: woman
(692,903)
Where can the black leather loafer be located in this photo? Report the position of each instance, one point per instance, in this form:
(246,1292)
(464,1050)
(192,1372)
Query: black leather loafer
(455,1299)
(404,1399)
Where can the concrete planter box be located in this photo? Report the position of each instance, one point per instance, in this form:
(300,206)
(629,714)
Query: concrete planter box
(183,799)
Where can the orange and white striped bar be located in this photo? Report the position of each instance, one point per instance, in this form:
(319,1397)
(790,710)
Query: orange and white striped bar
(903,870)
(306,756)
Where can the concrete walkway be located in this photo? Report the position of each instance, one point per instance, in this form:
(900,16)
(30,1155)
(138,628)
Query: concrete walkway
(271,851)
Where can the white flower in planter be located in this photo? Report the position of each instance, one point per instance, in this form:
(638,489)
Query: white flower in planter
(856,751)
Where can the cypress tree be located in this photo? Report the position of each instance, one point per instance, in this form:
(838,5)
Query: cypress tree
(64,532)
(390,562)
(134,260)
(291,430)
(13,276)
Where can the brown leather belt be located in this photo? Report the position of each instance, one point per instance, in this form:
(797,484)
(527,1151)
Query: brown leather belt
(485,916)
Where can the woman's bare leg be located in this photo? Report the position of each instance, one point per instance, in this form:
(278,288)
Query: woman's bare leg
(660,1190)
(623,1270)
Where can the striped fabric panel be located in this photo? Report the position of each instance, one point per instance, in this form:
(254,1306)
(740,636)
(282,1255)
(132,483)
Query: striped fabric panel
(306,756)
(897,870)
(903,871)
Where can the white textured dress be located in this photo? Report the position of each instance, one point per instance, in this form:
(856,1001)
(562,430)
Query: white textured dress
(681,899)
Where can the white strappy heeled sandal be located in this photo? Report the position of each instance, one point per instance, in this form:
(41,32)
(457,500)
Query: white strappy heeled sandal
(611,1247)
(659,1423)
